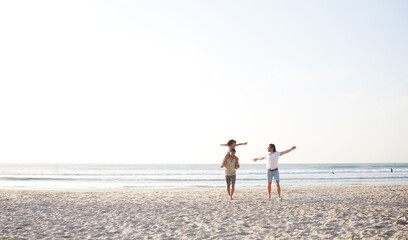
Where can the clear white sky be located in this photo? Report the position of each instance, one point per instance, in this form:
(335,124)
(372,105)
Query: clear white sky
(168,81)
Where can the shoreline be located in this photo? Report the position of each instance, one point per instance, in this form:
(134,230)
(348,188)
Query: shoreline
(206,213)
(217,188)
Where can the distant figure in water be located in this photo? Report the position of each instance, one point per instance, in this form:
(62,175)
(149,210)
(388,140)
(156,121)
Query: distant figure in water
(332,172)
(392,170)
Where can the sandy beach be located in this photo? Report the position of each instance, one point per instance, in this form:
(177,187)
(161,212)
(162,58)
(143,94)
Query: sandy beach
(350,212)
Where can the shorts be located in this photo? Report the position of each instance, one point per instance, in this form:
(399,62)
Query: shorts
(231,178)
(273,174)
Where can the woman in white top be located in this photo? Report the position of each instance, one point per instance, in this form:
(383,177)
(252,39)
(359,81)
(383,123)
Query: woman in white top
(272,166)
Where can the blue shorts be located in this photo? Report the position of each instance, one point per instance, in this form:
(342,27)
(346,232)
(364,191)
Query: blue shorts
(273,174)
(231,178)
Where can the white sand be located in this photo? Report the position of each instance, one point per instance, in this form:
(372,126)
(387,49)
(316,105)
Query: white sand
(305,213)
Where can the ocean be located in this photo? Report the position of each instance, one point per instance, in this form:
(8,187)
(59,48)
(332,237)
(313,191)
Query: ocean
(128,177)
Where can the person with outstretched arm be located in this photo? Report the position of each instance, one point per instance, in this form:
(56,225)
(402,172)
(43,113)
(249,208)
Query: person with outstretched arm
(272,165)
(231,144)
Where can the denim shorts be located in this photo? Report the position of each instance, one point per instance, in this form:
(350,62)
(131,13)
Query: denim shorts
(231,178)
(273,174)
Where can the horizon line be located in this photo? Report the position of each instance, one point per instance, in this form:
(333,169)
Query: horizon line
(107,163)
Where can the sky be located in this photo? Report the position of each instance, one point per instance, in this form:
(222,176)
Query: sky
(167,82)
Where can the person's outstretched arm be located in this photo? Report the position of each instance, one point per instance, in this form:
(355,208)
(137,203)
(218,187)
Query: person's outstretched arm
(260,158)
(223,144)
(239,144)
(287,151)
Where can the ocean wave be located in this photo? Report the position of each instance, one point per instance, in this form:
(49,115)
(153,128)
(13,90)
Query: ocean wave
(159,176)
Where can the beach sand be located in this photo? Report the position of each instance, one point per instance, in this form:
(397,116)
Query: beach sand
(359,212)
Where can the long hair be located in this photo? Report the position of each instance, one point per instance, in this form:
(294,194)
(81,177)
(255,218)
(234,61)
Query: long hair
(273,147)
(230,142)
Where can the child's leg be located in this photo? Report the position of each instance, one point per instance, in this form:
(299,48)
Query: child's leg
(224,162)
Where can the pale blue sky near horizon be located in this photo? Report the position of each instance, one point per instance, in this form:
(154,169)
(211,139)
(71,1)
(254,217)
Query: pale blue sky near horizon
(168,81)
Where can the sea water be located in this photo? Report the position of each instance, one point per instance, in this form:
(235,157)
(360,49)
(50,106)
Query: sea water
(162,176)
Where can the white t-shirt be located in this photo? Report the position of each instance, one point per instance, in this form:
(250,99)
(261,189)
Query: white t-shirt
(272,160)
